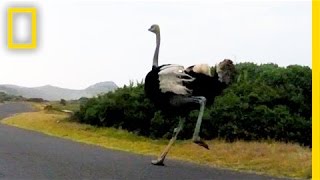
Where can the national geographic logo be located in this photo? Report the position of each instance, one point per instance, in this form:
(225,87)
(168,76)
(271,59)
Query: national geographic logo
(22,27)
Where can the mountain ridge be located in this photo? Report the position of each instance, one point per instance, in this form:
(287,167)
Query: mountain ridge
(50,92)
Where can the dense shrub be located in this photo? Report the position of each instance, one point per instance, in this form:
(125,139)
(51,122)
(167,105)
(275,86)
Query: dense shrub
(126,108)
(264,102)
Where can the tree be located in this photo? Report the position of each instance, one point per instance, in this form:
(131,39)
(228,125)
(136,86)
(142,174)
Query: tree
(63,102)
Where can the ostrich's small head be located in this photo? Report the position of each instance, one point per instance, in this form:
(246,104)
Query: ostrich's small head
(225,71)
(154,28)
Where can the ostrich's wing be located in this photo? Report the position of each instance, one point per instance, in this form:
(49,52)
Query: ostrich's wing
(201,69)
(172,78)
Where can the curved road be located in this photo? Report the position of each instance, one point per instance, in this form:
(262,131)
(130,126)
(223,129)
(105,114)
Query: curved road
(30,155)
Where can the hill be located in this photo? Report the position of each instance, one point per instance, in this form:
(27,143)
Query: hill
(51,93)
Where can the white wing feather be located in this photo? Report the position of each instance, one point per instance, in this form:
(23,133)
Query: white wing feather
(171,79)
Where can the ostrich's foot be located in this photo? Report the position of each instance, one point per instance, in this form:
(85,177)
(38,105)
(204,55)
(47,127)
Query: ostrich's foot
(158,162)
(200,142)
(161,158)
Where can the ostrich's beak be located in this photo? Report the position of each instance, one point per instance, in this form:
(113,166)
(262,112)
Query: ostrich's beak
(149,29)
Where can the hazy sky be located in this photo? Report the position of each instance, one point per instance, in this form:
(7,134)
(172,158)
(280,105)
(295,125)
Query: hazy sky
(82,42)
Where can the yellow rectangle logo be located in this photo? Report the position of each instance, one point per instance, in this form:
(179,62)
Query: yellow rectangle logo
(15,10)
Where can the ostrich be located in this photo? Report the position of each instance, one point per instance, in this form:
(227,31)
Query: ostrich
(173,87)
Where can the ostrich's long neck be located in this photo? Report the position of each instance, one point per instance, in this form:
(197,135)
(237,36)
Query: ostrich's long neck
(156,52)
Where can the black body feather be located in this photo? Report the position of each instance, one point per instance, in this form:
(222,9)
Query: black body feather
(207,86)
(153,91)
(202,85)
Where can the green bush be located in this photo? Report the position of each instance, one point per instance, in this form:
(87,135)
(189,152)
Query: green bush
(126,108)
(264,102)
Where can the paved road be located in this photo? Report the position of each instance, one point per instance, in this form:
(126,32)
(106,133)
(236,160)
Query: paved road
(30,155)
(8,109)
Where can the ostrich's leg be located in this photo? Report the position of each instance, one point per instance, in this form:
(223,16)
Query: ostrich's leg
(181,100)
(163,155)
(196,138)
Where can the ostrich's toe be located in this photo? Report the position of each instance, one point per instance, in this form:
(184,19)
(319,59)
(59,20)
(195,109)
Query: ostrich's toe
(202,143)
(157,162)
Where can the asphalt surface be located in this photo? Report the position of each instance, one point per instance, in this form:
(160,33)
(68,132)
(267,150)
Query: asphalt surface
(30,155)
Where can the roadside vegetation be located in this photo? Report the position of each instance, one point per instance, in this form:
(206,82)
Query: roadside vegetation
(6,97)
(65,105)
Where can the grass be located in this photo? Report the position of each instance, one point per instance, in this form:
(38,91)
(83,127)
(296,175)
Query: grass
(72,106)
(271,158)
